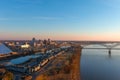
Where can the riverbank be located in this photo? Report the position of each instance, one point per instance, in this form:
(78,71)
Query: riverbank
(64,67)
(75,70)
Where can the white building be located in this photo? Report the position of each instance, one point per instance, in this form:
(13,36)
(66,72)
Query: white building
(25,46)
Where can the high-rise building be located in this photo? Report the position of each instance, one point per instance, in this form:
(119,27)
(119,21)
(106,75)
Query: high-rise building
(33,42)
(45,42)
(49,41)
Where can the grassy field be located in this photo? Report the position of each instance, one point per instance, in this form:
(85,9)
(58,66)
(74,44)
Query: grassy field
(64,67)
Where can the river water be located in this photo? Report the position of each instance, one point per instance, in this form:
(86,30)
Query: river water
(97,64)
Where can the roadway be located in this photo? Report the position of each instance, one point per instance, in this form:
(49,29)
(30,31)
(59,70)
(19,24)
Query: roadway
(42,70)
(103,48)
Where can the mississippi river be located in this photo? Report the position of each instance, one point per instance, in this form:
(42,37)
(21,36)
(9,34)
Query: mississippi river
(97,64)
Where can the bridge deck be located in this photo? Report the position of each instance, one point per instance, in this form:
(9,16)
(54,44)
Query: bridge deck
(103,48)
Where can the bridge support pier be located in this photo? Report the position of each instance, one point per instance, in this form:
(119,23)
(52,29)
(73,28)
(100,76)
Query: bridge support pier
(109,51)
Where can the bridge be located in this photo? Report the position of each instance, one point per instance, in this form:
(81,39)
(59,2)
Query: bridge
(109,45)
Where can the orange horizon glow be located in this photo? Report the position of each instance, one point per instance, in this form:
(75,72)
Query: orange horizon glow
(65,37)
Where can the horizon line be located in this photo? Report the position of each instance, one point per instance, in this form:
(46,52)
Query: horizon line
(58,40)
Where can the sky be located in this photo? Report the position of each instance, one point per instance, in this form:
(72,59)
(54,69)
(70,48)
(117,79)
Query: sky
(60,19)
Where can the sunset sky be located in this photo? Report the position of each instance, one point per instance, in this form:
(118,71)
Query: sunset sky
(60,19)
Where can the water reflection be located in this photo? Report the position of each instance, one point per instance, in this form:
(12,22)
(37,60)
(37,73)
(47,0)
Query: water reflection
(109,55)
(99,65)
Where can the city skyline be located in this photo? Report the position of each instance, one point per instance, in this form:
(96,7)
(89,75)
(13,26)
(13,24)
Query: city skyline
(60,19)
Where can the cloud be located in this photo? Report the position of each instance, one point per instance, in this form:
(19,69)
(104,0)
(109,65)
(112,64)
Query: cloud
(29,1)
(55,18)
(39,18)
(111,3)
(45,18)
(3,19)
(32,18)
(26,3)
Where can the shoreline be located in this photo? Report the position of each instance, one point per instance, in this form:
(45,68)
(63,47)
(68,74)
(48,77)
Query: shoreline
(75,72)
